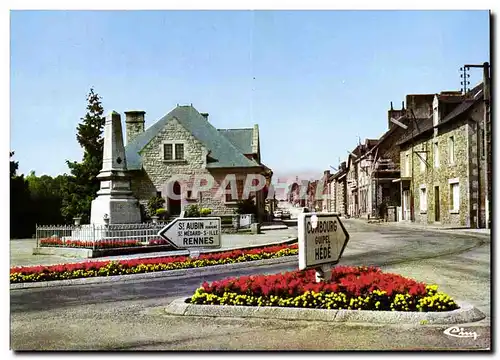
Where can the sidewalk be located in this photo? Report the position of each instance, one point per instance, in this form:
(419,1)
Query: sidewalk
(430,227)
(21,250)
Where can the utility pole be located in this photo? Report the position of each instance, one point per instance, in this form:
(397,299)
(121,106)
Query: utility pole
(487,129)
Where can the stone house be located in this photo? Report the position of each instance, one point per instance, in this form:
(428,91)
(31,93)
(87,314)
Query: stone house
(297,192)
(379,166)
(363,166)
(321,193)
(355,173)
(338,190)
(352,184)
(183,145)
(442,162)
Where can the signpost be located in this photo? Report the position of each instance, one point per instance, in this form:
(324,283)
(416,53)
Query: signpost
(322,240)
(193,233)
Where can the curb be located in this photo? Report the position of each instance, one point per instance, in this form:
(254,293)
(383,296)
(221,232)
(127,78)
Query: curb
(273,227)
(465,314)
(191,272)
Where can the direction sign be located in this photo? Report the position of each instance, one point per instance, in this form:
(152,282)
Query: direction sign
(322,239)
(185,233)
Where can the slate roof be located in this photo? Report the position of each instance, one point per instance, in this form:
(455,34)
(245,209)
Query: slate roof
(423,125)
(426,125)
(476,95)
(241,138)
(222,150)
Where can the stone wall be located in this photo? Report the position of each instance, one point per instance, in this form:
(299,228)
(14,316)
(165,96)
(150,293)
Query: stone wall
(440,176)
(477,164)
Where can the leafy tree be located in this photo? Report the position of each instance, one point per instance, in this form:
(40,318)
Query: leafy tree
(21,219)
(81,187)
(246,206)
(46,198)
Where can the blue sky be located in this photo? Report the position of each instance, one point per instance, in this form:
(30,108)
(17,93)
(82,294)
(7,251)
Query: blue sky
(314,81)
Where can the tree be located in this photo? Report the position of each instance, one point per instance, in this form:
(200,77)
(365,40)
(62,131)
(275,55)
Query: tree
(246,206)
(80,188)
(46,199)
(20,206)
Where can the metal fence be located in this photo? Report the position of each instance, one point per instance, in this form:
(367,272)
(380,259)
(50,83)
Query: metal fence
(100,236)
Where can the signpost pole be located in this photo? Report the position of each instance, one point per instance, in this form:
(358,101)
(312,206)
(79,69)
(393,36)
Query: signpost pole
(323,273)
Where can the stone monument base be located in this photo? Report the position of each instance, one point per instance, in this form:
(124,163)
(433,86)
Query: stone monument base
(119,210)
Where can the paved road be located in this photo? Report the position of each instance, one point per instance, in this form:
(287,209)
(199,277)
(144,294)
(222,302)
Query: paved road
(129,316)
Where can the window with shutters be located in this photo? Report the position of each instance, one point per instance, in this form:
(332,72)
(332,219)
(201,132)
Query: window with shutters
(451,150)
(407,164)
(423,161)
(423,199)
(436,154)
(454,196)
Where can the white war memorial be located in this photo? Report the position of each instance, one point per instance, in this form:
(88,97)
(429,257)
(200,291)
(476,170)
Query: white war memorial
(114,203)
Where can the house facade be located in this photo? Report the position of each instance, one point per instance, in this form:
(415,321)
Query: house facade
(183,146)
(379,167)
(363,164)
(443,162)
(357,181)
(338,189)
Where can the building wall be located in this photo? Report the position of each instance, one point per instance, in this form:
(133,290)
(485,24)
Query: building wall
(440,176)
(477,167)
(352,192)
(158,172)
(341,196)
(364,172)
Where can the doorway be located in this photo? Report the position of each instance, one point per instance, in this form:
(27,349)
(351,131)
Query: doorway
(406,205)
(174,203)
(437,209)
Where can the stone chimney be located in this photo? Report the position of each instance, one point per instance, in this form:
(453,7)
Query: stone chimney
(420,104)
(134,123)
(395,114)
(205,115)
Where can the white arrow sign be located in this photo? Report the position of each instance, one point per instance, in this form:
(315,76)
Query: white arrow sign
(322,239)
(185,233)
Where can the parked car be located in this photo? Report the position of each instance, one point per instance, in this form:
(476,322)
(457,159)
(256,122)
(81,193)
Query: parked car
(285,214)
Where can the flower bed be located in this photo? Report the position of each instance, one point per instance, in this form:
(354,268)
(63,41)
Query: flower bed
(99,244)
(351,288)
(136,266)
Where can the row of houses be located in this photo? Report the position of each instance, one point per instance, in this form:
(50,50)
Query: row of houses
(431,166)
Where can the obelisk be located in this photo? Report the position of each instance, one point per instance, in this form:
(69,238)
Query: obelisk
(114,199)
